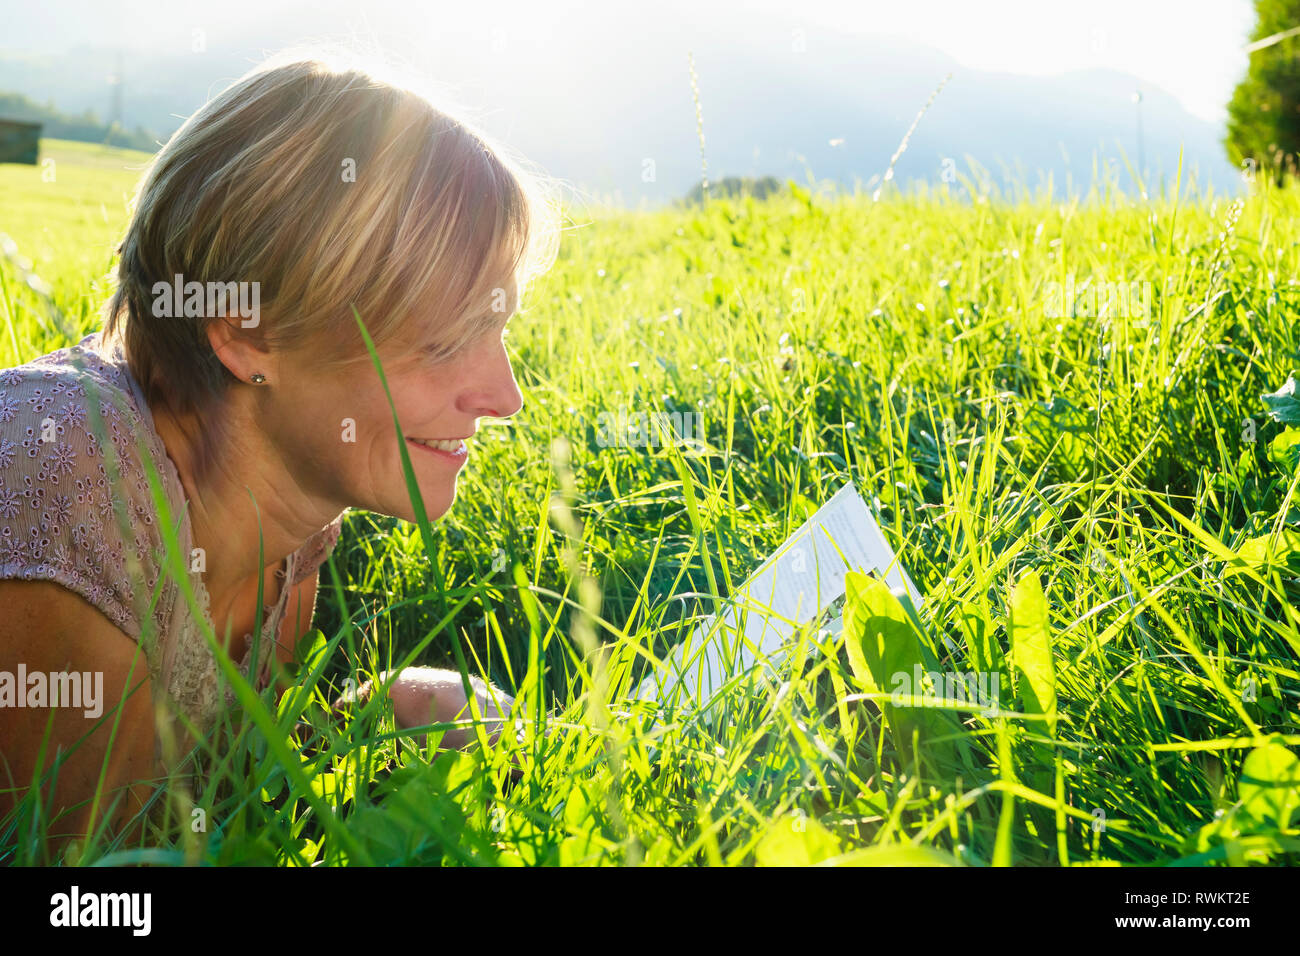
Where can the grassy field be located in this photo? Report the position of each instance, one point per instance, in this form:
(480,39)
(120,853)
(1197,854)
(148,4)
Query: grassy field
(1089,489)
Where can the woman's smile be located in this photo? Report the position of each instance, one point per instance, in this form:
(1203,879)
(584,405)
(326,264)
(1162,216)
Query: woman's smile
(451,449)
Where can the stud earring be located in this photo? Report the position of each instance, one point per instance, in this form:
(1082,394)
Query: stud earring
(258,378)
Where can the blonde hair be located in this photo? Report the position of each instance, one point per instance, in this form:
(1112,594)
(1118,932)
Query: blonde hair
(256,187)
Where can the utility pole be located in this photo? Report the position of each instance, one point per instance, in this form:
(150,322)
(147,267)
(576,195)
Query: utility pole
(115,97)
(1137,98)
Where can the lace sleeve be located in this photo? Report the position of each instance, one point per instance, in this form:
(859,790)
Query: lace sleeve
(61,518)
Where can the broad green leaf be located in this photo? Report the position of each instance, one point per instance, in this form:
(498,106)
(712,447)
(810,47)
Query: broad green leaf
(1284,450)
(796,841)
(419,822)
(881,641)
(885,654)
(1270,785)
(306,849)
(311,647)
(456,769)
(1031,648)
(333,786)
(1258,552)
(387,840)
(1283,405)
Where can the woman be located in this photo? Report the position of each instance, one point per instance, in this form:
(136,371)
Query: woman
(231,363)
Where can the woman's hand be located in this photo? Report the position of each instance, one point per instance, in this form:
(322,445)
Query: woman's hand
(427,695)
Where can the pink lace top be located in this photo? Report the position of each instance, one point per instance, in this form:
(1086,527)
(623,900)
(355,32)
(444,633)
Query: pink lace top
(64,519)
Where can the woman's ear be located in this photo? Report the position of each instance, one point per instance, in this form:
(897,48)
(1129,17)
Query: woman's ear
(242,354)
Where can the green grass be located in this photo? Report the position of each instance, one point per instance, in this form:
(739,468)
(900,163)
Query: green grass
(71,210)
(1078,498)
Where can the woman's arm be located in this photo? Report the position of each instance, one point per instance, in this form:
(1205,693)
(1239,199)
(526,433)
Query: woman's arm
(48,629)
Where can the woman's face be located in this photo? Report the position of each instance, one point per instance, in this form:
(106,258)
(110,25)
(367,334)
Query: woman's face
(337,433)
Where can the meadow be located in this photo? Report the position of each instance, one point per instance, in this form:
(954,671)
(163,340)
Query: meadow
(1075,420)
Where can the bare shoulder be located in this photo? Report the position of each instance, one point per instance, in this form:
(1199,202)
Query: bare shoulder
(66,667)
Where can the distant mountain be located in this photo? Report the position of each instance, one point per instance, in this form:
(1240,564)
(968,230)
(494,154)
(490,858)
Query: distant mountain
(773,101)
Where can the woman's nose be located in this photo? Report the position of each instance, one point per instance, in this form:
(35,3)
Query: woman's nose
(496,393)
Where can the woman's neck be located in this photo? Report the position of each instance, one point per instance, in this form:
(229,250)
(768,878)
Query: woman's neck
(244,485)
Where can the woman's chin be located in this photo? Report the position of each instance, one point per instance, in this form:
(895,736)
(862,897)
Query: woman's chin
(437,502)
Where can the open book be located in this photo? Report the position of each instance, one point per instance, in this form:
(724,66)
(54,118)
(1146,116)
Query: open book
(798,584)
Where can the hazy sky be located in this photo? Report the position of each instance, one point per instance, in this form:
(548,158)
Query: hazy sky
(1190,48)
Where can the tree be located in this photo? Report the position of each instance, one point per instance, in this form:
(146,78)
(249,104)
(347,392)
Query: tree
(731,186)
(1264,113)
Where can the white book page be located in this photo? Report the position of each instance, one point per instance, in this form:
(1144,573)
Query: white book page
(804,576)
